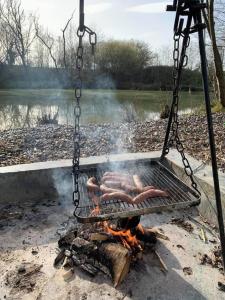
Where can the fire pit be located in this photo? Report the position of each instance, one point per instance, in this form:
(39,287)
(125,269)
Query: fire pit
(107,247)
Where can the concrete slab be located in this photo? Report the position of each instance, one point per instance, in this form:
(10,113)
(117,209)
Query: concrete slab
(49,180)
(36,228)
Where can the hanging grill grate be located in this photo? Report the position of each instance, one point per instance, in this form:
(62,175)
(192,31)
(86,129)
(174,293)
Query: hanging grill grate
(151,173)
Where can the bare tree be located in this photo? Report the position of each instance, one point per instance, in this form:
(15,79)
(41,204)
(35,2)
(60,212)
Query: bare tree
(64,40)
(52,44)
(48,41)
(209,17)
(19,27)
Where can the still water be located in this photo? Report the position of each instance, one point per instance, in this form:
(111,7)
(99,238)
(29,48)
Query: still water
(23,108)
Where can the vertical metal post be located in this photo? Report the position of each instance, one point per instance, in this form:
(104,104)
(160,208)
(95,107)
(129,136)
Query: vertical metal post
(211,138)
(81,23)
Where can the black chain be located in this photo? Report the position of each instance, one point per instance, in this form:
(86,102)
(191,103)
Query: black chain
(77,109)
(180,61)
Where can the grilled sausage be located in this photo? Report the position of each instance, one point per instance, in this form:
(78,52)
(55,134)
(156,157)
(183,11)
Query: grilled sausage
(149,194)
(130,188)
(113,184)
(137,182)
(107,190)
(117,195)
(92,185)
(147,188)
(116,178)
(115,174)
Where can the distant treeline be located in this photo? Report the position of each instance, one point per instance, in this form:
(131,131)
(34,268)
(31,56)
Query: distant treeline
(150,78)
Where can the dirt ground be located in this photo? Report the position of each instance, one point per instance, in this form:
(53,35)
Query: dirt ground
(55,142)
(28,242)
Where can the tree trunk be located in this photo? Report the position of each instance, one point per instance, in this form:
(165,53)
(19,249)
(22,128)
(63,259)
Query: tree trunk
(220,80)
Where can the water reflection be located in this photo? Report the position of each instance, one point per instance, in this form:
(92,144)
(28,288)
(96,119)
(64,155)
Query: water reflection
(20,116)
(97,107)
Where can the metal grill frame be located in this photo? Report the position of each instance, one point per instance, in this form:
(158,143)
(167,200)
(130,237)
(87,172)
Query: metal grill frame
(183,196)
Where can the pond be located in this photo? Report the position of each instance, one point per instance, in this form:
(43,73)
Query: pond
(23,108)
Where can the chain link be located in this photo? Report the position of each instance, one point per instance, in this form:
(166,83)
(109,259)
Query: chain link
(180,61)
(77,109)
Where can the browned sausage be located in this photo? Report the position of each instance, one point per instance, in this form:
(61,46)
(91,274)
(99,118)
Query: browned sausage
(113,184)
(107,190)
(130,188)
(117,195)
(148,187)
(149,194)
(115,174)
(137,182)
(92,185)
(116,178)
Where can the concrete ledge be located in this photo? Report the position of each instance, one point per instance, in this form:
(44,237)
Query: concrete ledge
(46,180)
(204,179)
(85,161)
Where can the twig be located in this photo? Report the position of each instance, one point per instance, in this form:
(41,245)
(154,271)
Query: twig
(204,226)
(203,235)
(162,263)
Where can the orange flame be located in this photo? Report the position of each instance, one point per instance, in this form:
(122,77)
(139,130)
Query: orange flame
(125,236)
(128,240)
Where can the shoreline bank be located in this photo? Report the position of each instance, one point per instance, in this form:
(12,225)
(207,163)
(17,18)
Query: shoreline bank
(54,142)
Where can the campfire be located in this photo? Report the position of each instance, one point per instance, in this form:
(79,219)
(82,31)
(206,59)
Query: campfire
(109,247)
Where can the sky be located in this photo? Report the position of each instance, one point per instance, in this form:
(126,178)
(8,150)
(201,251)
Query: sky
(119,19)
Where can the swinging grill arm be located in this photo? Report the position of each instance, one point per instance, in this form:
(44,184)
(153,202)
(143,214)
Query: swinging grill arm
(194,8)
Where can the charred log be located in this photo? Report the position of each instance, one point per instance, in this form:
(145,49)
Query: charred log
(116,258)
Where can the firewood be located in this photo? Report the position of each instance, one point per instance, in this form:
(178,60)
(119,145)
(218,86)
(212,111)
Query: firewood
(145,235)
(68,263)
(99,236)
(128,223)
(67,275)
(162,263)
(88,268)
(83,246)
(117,259)
(67,239)
(59,258)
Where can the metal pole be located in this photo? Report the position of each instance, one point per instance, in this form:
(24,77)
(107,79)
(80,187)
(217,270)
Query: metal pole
(81,23)
(211,138)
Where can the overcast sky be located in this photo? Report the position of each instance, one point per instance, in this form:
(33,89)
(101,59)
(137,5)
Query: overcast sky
(120,19)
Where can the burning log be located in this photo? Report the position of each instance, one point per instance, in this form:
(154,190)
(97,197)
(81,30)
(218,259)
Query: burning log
(105,247)
(117,259)
(145,235)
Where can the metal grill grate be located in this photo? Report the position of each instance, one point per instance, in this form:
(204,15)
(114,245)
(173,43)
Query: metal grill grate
(151,173)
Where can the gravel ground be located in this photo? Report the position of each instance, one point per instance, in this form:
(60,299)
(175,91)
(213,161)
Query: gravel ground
(53,142)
